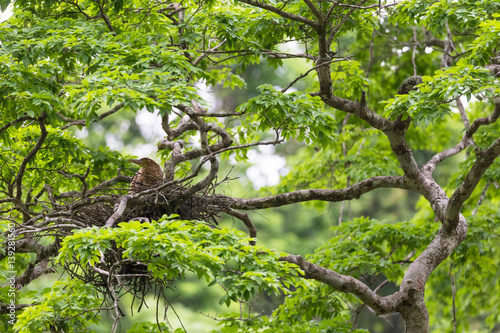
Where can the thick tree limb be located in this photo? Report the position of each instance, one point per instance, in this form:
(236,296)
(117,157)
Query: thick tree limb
(430,40)
(105,16)
(29,245)
(349,193)
(360,111)
(184,126)
(205,182)
(343,283)
(34,271)
(403,153)
(413,308)
(317,13)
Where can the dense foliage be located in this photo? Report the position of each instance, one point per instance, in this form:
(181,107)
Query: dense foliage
(360,97)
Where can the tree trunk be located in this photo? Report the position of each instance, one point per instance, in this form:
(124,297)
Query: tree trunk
(415,315)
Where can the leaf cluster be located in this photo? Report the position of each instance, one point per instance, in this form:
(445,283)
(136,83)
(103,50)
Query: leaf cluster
(170,248)
(292,115)
(366,247)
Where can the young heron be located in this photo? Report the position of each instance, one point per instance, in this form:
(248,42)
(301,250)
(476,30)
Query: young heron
(150,175)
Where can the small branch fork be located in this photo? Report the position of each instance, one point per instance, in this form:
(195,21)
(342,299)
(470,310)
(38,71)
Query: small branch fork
(467,140)
(82,122)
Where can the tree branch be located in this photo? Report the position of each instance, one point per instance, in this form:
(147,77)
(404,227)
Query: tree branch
(352,192)
(463,114)
(214,169)
(360,111)
(484,159)
(27,159)
(310,70)
(105,17)
(15,121)
(204,53)
(82,122)
(281,13)
(429,167)
(379,5)
(119,211)
(343,283)
(252,231)
(314,10)
(481,197)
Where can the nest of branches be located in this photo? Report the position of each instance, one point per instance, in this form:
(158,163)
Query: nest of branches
(203,207)
(167,201)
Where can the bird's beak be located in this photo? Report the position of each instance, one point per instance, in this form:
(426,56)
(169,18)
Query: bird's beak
(138,162)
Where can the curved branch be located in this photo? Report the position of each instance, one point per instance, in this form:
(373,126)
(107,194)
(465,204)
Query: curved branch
(34,271)
(105,17)
(252,231)
(184,126)
(348,193)
(119,211)
(82,122)
(484,159)
(343,283)
(360,111)
(317,13)
(415,278)
(214,169)
(281,13)
(29,245)
(429,167)
(15,121)
(27,159)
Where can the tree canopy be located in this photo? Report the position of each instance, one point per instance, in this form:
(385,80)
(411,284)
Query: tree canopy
(358,95)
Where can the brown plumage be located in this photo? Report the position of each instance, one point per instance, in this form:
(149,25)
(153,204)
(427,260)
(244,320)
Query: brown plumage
(149,176)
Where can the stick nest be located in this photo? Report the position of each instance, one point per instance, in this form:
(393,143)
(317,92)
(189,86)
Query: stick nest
(127,273)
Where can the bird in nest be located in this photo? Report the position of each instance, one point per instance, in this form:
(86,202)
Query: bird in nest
(149,176)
